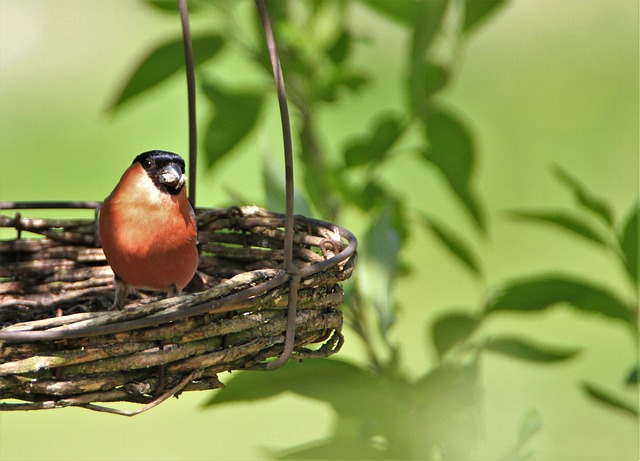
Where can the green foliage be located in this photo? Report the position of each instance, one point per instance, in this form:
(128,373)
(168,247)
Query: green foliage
(401,12)
(454,243)
(379,267)
(530,425)
(563,220)
(610,399)
(452,329)
(274,188)
(380,416)
(585,198)
(425,26)
(381,413)
(628,241)
(478,12)
(314,380)
(525,350)
(236,114)
(543,292)
(450,149)
(171,6)
(540,293)
(163,63)
(372,150)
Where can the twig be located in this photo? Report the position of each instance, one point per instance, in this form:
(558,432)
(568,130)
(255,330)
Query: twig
(169,393)
(45,205)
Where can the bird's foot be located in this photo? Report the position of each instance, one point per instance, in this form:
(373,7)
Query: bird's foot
(174,290)
(122,292)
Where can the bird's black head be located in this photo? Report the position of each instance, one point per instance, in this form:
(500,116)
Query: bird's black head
(165,169)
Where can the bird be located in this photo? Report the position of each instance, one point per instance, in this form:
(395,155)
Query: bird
(147,227)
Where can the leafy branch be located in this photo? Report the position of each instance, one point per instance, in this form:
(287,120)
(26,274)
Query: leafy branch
(380,412)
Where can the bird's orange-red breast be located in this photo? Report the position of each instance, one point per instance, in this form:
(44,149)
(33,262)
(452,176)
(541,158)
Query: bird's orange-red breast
(147,226)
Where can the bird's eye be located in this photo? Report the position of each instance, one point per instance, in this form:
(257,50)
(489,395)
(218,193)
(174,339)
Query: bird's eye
(147,163)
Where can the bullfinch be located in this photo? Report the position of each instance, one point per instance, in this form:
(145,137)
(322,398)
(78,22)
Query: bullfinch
(148,228)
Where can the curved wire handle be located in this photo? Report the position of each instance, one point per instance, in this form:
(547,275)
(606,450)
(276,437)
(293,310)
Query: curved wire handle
(289,219)
(191,99)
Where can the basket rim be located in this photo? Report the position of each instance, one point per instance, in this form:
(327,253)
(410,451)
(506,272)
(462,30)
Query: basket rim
(198,309)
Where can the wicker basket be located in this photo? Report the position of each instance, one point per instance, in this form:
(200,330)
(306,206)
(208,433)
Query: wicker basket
(60,345)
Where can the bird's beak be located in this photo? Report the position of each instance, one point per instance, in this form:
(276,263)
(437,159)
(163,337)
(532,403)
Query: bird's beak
(172,176)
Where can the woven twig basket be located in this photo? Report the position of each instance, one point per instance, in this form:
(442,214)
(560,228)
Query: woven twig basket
(60,345)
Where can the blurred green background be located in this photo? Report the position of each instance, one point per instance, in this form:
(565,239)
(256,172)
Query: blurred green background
(544,83)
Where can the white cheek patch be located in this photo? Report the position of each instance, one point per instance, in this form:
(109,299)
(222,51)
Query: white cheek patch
(143,209)
(146,195)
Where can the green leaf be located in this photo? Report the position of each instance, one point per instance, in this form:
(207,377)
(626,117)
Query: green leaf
(399,218)
(341,78)
(403,12)
(448,386)
(371,195)
(426,24)
(274,184)
(633,375)
(338,447)
(536,294)
(375,148)
(610,399)
(443,405)
(530,426)
(378,266)
(355,438)
(451,150)
(454,243)
(451,329)
(164,62)
(563,220)
(323,182)
(526,350)
(235,116)
(351,80)
(344,386)
(629,242)
(171,6)
(312,378)
(427,18)
(339,50)
(476,12)
(436,77)
(585,198)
